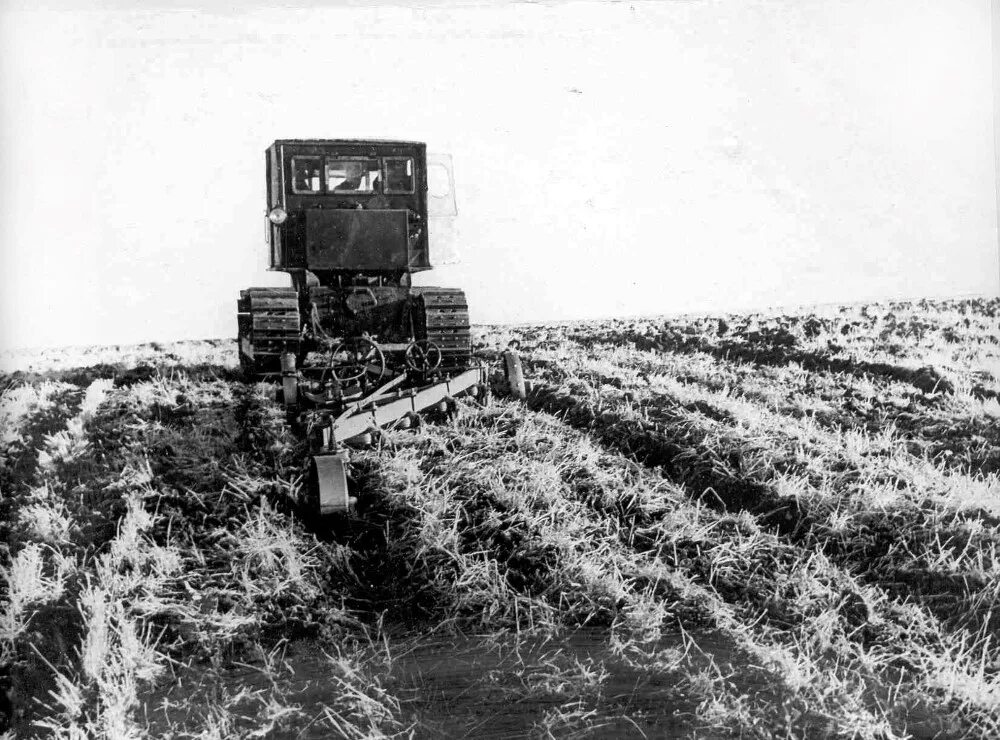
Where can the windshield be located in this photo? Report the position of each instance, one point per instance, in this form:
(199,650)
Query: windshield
(305,174)
(345,175)
(398,175)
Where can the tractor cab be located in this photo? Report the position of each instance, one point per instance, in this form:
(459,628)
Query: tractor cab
(340,209)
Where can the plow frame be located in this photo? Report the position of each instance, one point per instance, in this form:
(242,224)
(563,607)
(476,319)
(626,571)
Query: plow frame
(385,407)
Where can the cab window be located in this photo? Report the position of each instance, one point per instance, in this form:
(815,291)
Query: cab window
(305,175)
(398,175)
(345,175)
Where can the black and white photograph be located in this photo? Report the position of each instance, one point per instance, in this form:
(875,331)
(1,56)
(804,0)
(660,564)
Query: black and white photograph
(521,369)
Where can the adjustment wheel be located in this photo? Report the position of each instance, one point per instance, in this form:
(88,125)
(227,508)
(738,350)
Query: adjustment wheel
(423,356)
(355,358)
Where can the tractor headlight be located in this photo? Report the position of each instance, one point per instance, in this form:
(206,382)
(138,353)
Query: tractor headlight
(277,216)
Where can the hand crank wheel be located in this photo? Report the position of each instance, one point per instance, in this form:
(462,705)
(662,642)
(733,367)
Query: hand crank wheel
(354,358)
(423,356)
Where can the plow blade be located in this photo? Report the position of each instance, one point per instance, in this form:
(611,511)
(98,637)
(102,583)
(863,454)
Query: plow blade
(328,479)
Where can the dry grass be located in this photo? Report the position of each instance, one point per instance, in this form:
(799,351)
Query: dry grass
(774,526)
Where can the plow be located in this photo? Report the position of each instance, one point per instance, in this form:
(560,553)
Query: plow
(354,346)
(336,420)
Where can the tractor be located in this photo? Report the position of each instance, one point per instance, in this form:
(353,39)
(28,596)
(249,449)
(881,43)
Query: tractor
(356,347)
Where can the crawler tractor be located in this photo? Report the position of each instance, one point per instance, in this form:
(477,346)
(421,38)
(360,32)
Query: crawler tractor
(354,345)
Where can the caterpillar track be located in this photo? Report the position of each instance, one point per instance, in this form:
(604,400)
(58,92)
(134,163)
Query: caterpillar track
(444,320)
(269,324)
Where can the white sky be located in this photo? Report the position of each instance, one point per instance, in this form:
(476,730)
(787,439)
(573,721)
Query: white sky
(610,158)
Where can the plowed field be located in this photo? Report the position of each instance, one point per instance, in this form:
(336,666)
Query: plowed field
(740,526)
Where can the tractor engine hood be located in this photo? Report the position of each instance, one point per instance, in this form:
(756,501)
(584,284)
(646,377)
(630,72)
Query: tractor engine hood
(357,239)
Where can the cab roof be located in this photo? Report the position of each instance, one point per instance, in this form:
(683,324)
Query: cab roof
(343,142)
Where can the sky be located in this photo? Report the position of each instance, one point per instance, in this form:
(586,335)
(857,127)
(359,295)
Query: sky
(609,158)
